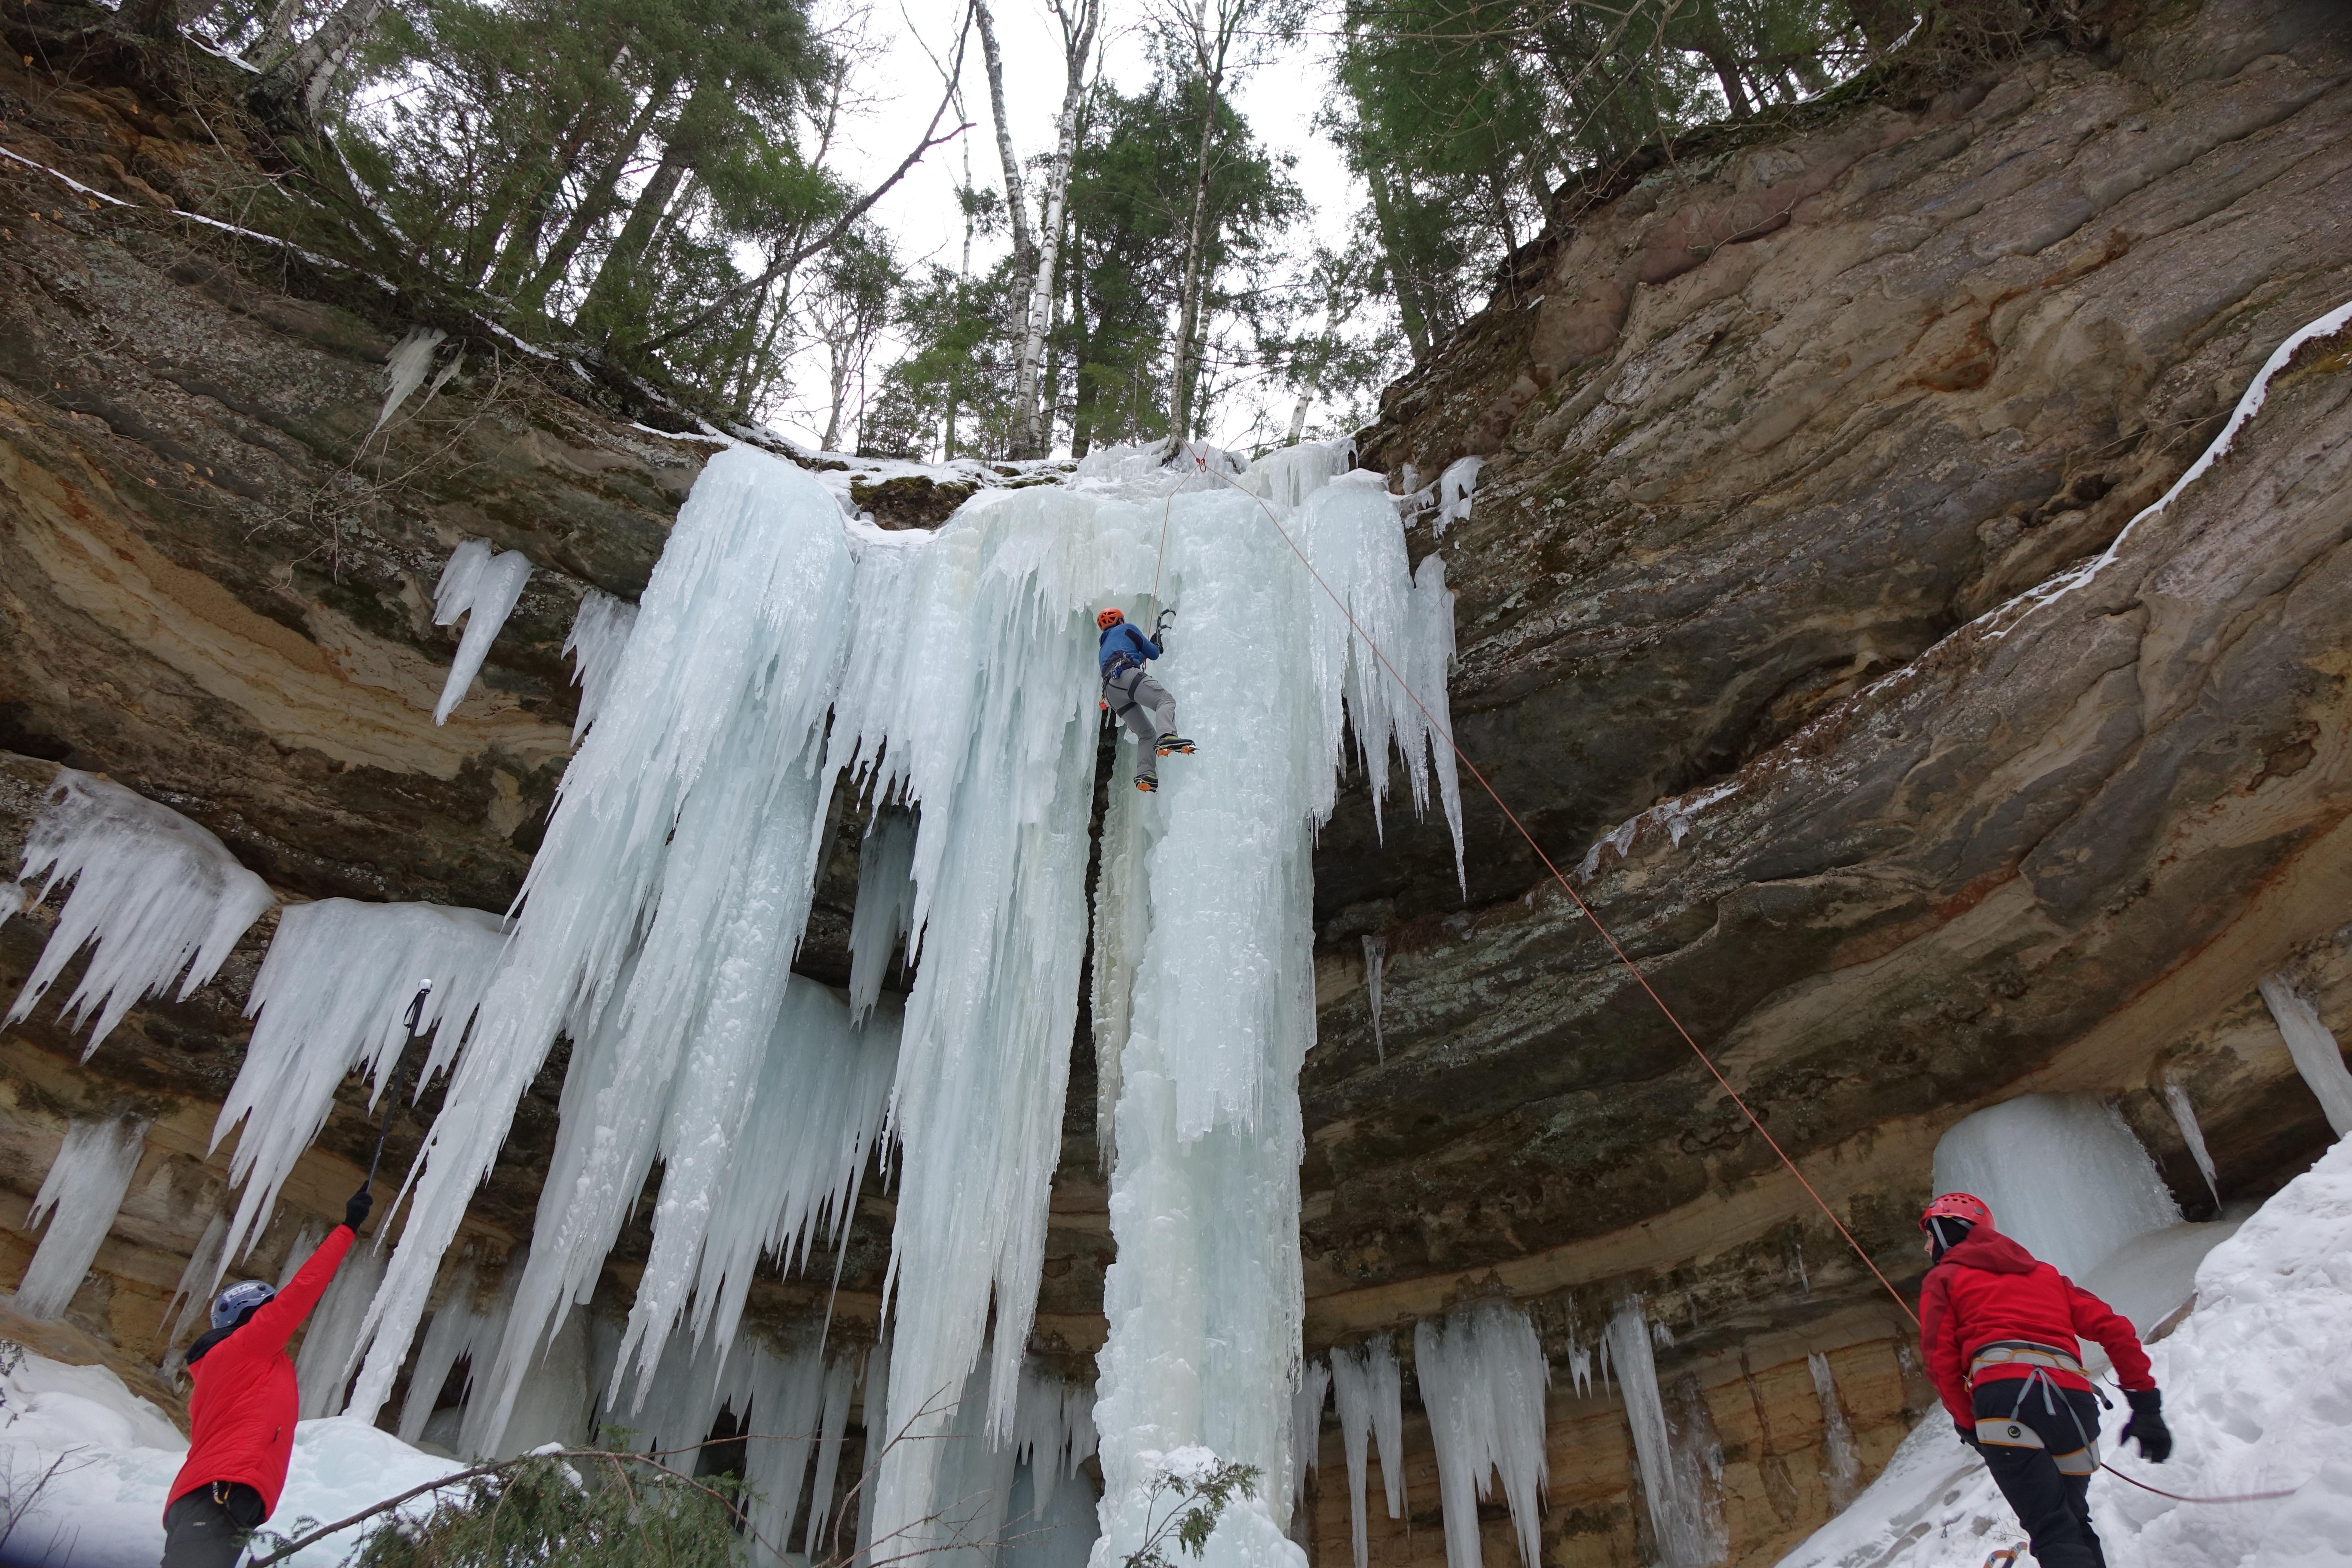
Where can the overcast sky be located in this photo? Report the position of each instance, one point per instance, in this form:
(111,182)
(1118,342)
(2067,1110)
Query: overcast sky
(900,86)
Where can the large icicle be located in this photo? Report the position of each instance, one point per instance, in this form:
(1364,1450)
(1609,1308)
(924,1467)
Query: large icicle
(2312,1046)
(190,1299)
(660,914)
(80,1196)
(1483,1375)
(153,894)
(330,1340)
(1678,1515)
(1366,1386)
(2063,1173)
(332,995)
(483,589)
(1306,1429)
(883,921)
(1376,952)
(1842,1467)
(600,630)
(2184,1116)
(1204,1297)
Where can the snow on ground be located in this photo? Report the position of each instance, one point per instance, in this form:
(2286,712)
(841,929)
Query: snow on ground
(109,1456)
(2257,1385)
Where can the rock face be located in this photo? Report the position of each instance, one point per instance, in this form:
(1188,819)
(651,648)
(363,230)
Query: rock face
(1815,616)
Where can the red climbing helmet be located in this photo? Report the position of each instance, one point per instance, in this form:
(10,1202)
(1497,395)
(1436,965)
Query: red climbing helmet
(1109,619)
(1959,1206)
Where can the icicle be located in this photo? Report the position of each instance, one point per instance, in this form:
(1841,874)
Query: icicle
(883,919)
(1697,1451)
(1483,1376)
(332,995)
(331,1341)
(2316,1054)
(840,1382)
(1307,1427)
(1844,1471)
(557,1397)
(80,1196)
(447,1339)
(1375,952)
(1678,1512)
(1288,475)
(2184,1116)
(405,368)
(1579,1367)
(694,784)
(600,630)
(2063,1173)
(880,1438)
(1455,486)
(1122,924)
(153,894)
(483,588)
(787,1410)
(1352,1395)
(192,1295)
(306,1237)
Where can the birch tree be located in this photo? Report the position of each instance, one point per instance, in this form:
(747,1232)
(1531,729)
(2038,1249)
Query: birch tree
(1080,21)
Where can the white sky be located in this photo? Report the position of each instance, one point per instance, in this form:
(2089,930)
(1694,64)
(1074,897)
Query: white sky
(901,86)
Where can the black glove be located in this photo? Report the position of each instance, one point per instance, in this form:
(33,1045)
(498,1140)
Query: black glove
(355,1212)
(2146,1424)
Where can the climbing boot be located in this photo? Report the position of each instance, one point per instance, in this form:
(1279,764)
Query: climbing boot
(1176,743)
(1148,782)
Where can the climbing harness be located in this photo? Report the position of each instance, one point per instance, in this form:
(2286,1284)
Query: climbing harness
(1586,909)
(391,1091)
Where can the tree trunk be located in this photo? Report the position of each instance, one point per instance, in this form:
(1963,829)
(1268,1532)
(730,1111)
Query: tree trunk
(277,34)
(1024,252)
(537,197)
(1077,43)
(652,208)
(594,203)
(1409,301)
(1195,245)
(302,80)
(1082,386)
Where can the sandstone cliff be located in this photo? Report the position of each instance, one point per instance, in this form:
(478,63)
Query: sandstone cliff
(1799,619)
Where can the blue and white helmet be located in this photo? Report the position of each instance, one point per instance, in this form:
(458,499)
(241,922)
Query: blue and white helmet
(234,1301)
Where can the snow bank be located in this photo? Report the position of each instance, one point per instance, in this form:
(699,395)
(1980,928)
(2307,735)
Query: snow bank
(111,1456)
(153,894)
(2258,1391)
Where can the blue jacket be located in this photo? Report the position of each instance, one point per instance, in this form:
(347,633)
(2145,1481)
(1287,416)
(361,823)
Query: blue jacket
(1122,646)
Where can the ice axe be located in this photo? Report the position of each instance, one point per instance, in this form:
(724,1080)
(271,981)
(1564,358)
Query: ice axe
(391,1096)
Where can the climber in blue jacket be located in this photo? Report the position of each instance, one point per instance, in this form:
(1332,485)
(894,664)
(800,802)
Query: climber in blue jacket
(1134,698)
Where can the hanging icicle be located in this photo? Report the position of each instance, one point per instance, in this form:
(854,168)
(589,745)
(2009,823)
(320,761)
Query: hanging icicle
(79,1197)
(1483,1375)
(483,588)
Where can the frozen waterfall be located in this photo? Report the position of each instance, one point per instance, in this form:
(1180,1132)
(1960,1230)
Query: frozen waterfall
(153,895)
(80,1196)
(600,630)
(2063,1174)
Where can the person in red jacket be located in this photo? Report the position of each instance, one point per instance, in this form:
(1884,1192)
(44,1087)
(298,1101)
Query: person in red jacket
(1998,1330)
(242,1413)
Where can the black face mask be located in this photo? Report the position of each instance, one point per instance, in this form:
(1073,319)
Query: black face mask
(1947,1231)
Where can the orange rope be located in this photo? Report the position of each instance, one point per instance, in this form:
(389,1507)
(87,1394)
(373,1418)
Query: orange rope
(1631,967)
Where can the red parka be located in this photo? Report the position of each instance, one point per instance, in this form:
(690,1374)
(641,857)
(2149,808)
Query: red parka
(241,1416)
(1988,1289)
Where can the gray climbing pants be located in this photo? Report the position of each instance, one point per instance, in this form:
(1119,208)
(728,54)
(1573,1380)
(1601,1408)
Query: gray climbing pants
(1143,705)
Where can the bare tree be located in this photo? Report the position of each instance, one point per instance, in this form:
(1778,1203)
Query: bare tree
(1080,21)
(301,79)
(1206,29)
(1024,249)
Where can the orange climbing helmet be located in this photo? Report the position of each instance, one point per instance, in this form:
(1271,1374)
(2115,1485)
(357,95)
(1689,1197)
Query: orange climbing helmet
(1109,619)
(1959,1206)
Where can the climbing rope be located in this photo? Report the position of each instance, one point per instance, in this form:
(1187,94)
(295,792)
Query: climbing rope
(2176,1497)
(1586,909)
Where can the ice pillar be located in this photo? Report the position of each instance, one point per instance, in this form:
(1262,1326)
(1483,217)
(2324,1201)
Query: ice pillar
(2313,1045)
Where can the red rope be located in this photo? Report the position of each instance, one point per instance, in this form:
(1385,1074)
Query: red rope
(1631,968)
(2243,1496)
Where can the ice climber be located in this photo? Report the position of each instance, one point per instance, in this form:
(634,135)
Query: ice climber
(242,1413)
(1998,1330)
(1134,698)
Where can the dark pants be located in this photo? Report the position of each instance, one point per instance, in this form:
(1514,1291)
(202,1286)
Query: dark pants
(2053,1504)
(206,1527)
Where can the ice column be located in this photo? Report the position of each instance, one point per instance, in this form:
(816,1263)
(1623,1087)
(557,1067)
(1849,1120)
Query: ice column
(451,1337)
(1306,1430)
(1368,1389)
(1844,1469)
(332,995)
(995,749)
(600,630)
(192,1295)
(2316,1054)
(2063,1173)
(1204,1296)
(883,921)
(2184,1116)
(80,1196)
(1483,1375)
(482,587)
(153,894)
(660,916)
(1678,1512)
(1375,954)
